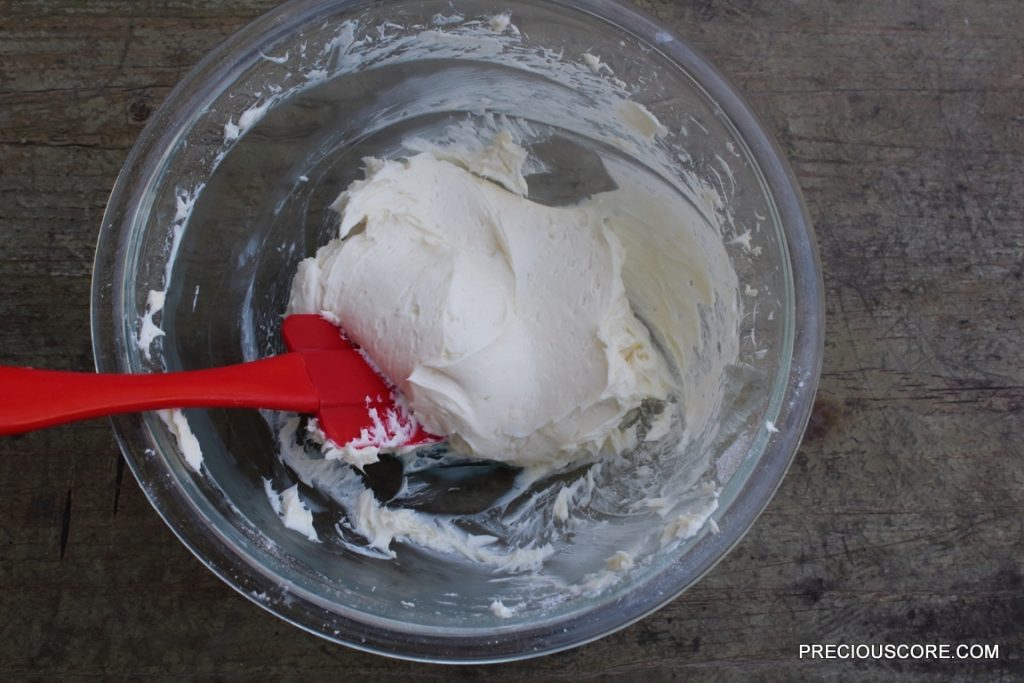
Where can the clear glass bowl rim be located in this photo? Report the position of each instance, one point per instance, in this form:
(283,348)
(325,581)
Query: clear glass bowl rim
(234,567)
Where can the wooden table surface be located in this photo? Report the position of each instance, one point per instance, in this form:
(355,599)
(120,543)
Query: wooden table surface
(902,518)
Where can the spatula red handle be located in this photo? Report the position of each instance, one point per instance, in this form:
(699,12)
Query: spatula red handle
(33,399)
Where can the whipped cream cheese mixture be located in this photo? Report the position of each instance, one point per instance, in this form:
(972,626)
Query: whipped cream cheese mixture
(504,323)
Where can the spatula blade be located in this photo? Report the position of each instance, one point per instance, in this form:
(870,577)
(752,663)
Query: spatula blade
(357,406)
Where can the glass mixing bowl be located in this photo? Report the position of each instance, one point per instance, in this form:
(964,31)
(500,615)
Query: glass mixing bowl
(226,190)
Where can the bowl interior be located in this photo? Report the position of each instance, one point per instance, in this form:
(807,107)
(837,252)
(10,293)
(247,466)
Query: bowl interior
(228,190)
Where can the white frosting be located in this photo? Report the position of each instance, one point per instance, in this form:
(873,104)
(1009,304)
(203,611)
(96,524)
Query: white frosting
(593,63)
(500,23)
(149,331)
(293,512)
(501,611)
(380,526)
(504,322)
(620,561)
(188,444)
(273,497)
(688,524)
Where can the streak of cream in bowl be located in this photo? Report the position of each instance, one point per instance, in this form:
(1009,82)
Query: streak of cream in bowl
(585,290)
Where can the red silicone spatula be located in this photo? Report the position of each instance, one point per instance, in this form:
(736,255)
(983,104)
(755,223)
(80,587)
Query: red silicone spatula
(322,373)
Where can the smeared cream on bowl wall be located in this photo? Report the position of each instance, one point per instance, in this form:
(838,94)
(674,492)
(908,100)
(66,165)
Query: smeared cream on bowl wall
(588,340)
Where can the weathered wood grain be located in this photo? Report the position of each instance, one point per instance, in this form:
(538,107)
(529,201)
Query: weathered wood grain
(901,520)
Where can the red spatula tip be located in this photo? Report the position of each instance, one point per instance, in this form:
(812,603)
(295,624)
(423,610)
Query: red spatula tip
(382,429)
(308,332)
(358,408)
